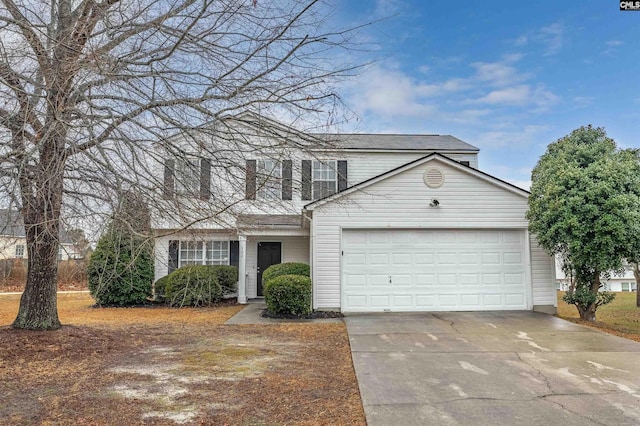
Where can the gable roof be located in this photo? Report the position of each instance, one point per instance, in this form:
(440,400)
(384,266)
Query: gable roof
(364,141)
(431,157)
(11,225)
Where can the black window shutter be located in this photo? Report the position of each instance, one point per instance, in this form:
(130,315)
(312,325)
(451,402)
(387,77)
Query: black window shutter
(169,166)
(250,192)
(173,255)
(205,178)
(234,253)
(342,175)
(306,179)
(287,178)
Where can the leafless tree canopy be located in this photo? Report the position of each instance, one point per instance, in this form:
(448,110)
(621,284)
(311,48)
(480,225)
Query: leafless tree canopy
(93,92)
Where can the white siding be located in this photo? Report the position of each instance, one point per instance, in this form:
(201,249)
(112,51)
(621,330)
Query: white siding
(365,165)
(230,184)
(402,201)
(543,278)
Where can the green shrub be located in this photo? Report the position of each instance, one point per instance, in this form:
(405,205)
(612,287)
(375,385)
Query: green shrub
(227,278)
(288,295)
(159,287)
(195,285)
(291,268)
(120,271)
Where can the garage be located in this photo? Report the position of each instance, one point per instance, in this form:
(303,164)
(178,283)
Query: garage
(432,235)
(433,270)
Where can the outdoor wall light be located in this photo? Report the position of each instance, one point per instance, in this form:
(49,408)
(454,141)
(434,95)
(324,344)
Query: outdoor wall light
(434,203)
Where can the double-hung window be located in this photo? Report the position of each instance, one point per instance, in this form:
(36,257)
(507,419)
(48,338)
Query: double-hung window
(20,250)
(217,253)
(269,179)
(325,178)
(187,176)
(626,286)
(203,253)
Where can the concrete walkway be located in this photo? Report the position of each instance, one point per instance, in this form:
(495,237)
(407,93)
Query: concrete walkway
(251,314)
(492,368)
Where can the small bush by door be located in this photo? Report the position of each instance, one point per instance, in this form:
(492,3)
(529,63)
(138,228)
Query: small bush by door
(287,289)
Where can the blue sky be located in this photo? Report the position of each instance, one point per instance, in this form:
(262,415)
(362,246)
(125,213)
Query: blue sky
(508,77)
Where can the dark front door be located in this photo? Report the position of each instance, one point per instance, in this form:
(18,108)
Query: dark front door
(268,254)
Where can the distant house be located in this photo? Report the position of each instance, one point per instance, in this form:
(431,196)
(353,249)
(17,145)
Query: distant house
(13,242)
(626,282)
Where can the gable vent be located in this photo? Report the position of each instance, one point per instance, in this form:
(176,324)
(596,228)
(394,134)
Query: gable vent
(433,177)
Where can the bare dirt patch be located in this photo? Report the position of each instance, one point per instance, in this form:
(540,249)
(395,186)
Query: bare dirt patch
(174,366)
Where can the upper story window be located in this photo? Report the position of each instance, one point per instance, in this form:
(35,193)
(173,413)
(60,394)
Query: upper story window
(20,250)
(203,253)
(187,176)
(324,178)
(269,179)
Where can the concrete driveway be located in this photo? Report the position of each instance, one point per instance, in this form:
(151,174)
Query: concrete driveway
(492,368)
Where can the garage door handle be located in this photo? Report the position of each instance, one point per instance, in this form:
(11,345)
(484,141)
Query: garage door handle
(389,279)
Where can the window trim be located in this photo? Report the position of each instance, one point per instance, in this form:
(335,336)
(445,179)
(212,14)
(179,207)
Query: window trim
(22,250)
(203,258)
(332,168)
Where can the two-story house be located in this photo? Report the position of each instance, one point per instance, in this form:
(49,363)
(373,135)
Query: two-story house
(387,222)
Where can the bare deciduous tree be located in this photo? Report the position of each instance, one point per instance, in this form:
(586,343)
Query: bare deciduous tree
(91,89)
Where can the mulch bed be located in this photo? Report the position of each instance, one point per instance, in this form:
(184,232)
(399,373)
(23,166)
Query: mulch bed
(313,315)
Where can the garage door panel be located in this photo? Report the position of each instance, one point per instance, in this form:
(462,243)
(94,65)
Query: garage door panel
(424,259)
(469,279)
(447,279)
(402,280)
(425,279)
(414,270)
(470,300)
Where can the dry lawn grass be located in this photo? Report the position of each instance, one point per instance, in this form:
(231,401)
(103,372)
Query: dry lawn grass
(173,366)
(621,317)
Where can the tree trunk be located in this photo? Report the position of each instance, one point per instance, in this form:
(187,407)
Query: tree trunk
(42,202)
(588,314)
(38,305)
(636,274)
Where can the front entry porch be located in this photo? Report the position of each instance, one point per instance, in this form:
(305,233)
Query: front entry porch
(257,252)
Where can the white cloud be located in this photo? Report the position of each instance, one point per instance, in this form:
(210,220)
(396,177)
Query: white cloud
(386,8)
(551,37)
(394,93)
(582,101)
(516,95)
(501,73)
(514,137)
(537,97)
(611,47)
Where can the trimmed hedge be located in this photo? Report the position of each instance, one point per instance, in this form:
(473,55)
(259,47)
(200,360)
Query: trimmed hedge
(288,295)
(159,287)
(290,268)
(227,278)
(195,285)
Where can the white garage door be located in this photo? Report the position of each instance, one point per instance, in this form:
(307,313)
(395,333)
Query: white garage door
(433,270)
